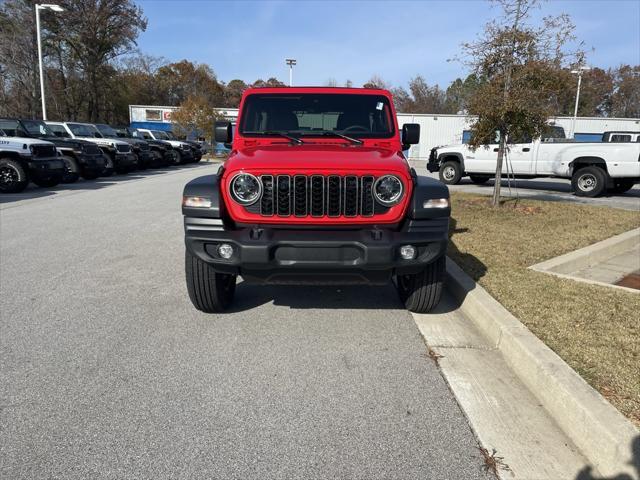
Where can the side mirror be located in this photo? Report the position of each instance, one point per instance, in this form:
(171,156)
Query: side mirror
(223,132)
(410,133)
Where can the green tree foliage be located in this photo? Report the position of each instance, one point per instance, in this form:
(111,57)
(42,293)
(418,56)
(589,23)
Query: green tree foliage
(195,115)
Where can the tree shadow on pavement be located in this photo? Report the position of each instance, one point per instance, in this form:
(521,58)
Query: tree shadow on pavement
(587,474)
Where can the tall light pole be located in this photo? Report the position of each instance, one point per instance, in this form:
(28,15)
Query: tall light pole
(55,8)
(578,72)
(291,62)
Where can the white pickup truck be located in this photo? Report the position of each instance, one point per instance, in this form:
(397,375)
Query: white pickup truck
(593,168)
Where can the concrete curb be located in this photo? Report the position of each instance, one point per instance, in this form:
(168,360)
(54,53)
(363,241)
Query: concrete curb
(603,434)
(587,256)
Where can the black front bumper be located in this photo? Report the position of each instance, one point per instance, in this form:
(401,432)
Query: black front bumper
(92,163)
(276,255)
(47,167)
(125,160)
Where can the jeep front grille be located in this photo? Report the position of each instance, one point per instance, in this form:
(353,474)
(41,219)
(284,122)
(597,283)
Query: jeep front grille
(91,149)
(144,146)
(42,151)
(123,148)
(317,196)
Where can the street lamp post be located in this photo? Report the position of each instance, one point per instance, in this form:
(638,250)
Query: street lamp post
(291,62)
(578,72)
(55,8)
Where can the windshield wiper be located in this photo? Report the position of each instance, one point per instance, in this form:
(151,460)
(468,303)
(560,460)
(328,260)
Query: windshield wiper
(295,140)
(327,133)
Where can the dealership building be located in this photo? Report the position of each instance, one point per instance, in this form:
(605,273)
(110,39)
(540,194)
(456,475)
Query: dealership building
(435,129)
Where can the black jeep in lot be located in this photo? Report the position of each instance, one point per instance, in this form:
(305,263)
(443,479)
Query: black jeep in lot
(196,147)
(141,149)
(82,159)
(161,150)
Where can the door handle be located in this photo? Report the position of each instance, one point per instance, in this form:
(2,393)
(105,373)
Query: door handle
(496,149)
(526,149)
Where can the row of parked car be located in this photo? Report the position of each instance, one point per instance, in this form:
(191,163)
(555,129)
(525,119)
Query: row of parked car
(49,153)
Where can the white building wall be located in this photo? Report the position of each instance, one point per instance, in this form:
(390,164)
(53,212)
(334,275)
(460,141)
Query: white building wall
(438,130)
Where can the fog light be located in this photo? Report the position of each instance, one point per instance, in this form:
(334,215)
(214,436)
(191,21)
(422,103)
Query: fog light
(225,251)
(408,252)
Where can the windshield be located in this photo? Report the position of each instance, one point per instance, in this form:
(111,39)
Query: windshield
(81,130)
(309,114)
(170,135)
(106,130)
(159,134)
(35,127)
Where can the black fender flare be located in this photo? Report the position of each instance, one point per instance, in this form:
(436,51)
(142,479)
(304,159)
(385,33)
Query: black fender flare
(426,188)
(458,156)
(206,186)
(583,161)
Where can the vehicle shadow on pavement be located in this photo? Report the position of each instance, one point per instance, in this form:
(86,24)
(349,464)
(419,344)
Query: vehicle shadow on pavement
(302,297)
(469,263)
(81,185)
(586,472)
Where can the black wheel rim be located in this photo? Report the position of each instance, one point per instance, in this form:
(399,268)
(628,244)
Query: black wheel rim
(8,176)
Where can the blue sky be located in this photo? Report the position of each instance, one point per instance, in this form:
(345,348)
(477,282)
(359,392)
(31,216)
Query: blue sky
(354,40)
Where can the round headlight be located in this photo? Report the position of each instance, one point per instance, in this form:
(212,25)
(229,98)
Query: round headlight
(246,189)
(387,190)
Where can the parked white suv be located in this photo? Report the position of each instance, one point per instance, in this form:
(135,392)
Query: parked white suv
(25,159)
(119,156)
(593,168)
(183,150)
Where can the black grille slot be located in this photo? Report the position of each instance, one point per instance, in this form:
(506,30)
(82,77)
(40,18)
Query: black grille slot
(284,195)
(300,196)
(334,192)
(350,196)
(317,196)
(91,148)
(123,148)
(44,151)
(367,206)
(266,202)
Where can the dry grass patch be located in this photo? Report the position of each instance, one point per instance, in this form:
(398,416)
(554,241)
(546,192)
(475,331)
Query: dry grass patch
(594,329)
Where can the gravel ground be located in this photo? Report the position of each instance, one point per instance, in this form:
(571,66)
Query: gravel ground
(107,371)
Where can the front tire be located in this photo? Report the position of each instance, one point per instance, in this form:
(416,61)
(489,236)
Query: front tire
(13,177)
(47,182)
(209,291)
(450,172)
(422,291)
(589,182)
(177,159)
(108,166)
(72,170)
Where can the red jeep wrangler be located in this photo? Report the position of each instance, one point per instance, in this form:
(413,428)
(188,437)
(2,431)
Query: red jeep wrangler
(316,190)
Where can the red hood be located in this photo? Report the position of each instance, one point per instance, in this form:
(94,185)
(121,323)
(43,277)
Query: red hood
(317,158)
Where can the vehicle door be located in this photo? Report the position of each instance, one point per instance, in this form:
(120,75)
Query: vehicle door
(484,159)
(520,156)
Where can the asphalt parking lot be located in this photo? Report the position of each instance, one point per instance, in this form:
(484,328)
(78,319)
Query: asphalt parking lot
(109,372)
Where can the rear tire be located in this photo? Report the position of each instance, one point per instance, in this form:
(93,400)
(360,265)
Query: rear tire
(479,179)
(589,182)
(13,177)
(422,291)
(209,291)
(450,172)
(621,185)
(72,170)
